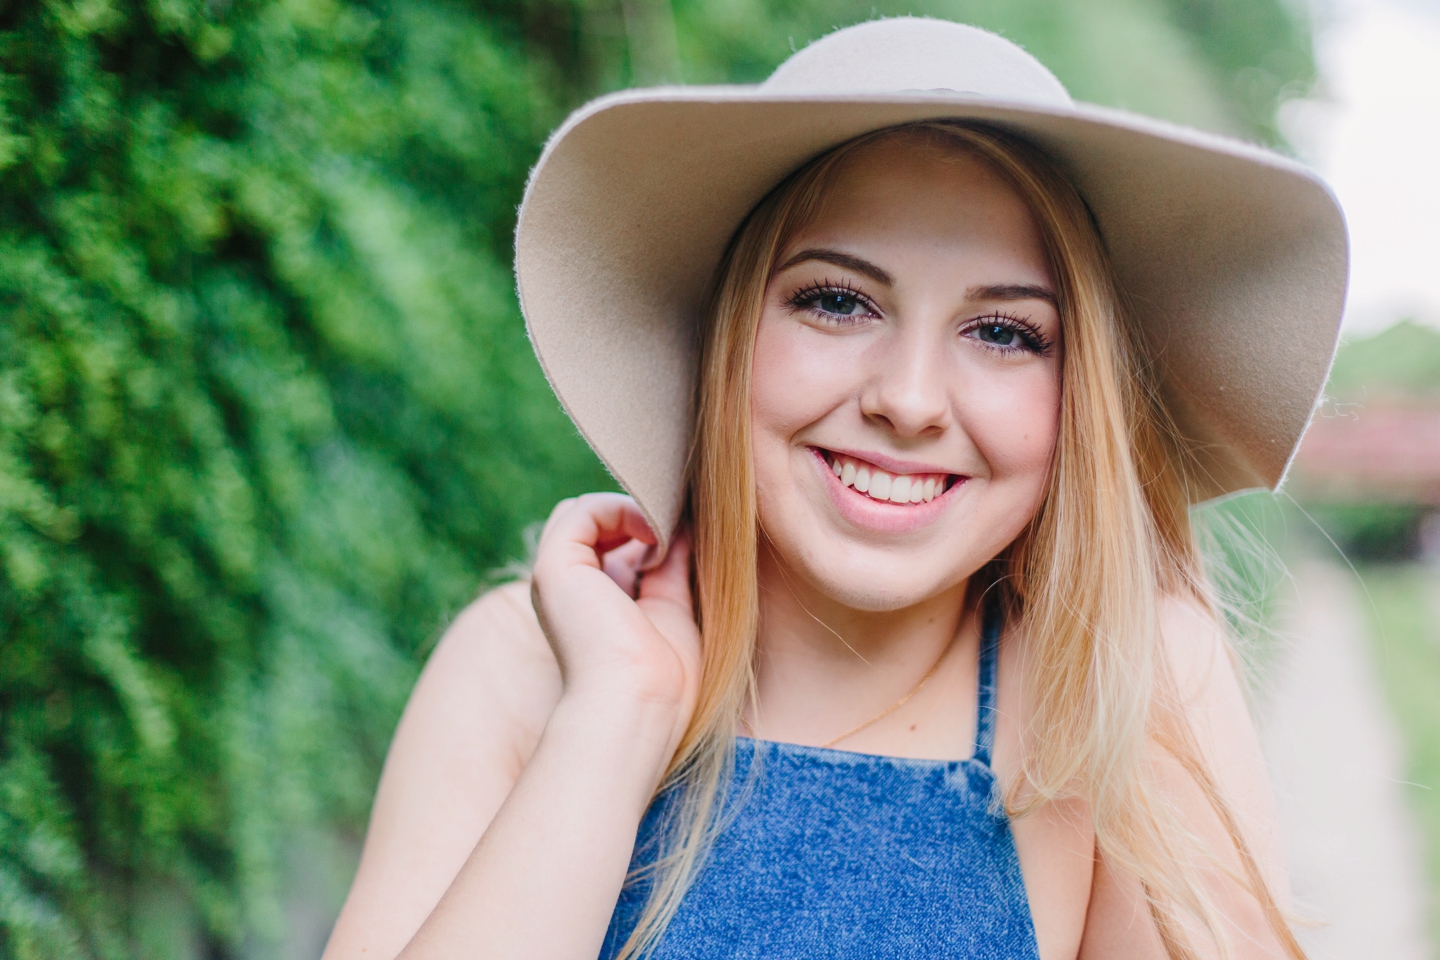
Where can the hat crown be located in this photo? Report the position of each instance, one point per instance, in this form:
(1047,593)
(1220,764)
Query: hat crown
(918,54)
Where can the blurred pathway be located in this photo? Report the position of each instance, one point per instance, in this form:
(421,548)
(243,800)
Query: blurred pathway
(1354,850)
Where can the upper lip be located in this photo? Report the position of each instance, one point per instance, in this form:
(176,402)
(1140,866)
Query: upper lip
(891,464)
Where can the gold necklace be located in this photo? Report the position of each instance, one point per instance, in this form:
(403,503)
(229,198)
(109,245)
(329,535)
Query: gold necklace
(898,703)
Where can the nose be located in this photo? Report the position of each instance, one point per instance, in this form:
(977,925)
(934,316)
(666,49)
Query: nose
(907,391)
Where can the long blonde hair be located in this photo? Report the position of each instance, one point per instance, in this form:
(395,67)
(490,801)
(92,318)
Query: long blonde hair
(1111,538)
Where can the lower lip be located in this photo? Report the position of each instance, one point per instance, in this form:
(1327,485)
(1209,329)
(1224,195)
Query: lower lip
(879,515)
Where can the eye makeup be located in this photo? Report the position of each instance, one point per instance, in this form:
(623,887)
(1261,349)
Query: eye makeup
(832,302)
(1000,331)
(840,303)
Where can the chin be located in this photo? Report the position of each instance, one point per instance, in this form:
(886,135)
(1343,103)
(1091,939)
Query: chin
(873,598)
(879,581)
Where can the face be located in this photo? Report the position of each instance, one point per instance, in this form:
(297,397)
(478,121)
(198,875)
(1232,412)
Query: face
(906,379)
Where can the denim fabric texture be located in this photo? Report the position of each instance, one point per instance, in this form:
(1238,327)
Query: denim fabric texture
(829,853)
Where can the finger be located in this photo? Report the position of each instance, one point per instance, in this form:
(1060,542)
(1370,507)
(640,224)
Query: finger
(619,520)
(596,518)
(561,508)
(595,525)
(623,564)
(671,579)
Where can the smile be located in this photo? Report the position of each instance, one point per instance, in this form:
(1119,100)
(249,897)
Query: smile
(900,488)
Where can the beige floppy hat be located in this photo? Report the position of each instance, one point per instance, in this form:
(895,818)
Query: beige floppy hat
(1234,257)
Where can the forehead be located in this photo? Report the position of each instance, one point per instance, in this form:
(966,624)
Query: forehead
(915,191)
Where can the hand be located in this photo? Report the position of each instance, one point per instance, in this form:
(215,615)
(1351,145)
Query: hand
(612,641)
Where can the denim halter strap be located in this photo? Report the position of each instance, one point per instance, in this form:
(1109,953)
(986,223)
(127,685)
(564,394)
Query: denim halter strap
(985,693)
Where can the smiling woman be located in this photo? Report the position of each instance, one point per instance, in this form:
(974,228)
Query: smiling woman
(904,647)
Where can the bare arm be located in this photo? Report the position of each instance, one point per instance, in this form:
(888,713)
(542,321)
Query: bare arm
(472,722)
(1118,924)
(505,827)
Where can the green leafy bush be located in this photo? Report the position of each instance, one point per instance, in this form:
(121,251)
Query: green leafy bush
(1371,531)
(1403,360)
(267,411)
(267,419)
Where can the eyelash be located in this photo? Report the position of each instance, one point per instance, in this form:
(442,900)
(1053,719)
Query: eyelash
(1034,339)
(808,296)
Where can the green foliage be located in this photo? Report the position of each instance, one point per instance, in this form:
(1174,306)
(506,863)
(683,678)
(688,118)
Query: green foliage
(1400,363)
(1239,538)
(1403,358)
(268,418)
(267,411)
(1219,64)
(1371,531)
(1260,52)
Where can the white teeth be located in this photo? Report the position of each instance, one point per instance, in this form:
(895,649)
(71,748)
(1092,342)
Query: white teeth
(879,485)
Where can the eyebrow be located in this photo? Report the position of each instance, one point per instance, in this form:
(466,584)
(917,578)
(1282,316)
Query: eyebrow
(1012,291)
(996,291)
(848,261)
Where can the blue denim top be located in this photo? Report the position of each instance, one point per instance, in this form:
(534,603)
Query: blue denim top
(828,853)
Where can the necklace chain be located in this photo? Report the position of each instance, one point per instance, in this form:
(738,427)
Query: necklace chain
(934,669)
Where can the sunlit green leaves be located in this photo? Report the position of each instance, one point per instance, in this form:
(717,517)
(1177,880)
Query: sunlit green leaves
(269,417)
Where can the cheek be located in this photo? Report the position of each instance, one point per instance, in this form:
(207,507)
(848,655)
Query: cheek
(1014,425)
(793,379)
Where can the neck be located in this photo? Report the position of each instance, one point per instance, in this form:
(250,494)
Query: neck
(824,666)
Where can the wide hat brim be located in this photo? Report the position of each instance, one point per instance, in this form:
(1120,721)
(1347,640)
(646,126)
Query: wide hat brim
(1232,257)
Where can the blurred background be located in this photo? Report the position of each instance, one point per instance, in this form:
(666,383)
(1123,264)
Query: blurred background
(268,419)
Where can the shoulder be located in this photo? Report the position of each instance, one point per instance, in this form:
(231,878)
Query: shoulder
(1206,679)
(495,659)
(472,723)
(500,624)
(502,614)
(480,704)
(1206,673)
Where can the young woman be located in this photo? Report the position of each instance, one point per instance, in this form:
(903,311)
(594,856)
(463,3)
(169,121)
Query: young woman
(903,647)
